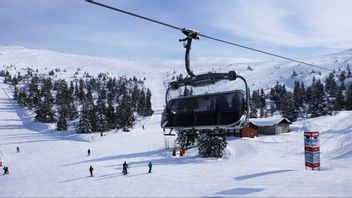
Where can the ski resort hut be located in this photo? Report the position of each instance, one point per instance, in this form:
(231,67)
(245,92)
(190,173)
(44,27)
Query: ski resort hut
(250,131)
(271,126)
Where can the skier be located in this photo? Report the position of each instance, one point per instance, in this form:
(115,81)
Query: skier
(88,152)
(18,149)
(91,171)
(124,168)
(150,167)
(143,127)
(6,170)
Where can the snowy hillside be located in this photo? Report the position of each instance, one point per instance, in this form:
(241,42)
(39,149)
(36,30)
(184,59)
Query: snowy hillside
(53,163)
(261,75)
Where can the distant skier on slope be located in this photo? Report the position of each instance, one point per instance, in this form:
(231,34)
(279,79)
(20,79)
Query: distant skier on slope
(91,171)
(150,167)
(124,168)
(18,149)
(88,152)
(6,170)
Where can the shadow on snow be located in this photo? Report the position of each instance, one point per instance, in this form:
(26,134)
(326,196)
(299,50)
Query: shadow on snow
(244,177)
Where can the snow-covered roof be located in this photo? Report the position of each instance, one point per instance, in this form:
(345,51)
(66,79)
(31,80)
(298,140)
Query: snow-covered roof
(268,121)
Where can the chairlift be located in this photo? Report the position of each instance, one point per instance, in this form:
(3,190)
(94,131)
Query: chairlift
(229,109)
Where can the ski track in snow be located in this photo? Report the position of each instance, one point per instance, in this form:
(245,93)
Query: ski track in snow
(56,164)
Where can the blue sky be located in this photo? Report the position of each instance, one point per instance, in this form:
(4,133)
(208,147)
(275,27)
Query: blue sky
(291,28)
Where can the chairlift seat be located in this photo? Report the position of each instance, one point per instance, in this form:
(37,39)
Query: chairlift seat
(207,110)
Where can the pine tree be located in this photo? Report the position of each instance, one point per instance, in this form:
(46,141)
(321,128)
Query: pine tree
(342,76)
(148,103)
(141,103)
(277,94)
(297,97)
(136,97)
(84,125)
(289,110)
(61,124)
(255,99)
(81,90)
(186,137)
(349,98)
(110,117)
(34,93)
(318,106)
(127,117)
(262,99)
(330,85)
(22,98)
(44,111)
(102,123)
(101,120)
(253,112)
(63,97)
(72,91)
(72,111)
(212,143)
(76,91)
(15,93)
(340,100)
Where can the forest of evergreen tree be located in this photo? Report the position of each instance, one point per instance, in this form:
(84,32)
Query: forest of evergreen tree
(94,104)
(316,100)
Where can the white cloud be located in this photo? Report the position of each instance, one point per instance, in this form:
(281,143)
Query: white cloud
(299,23)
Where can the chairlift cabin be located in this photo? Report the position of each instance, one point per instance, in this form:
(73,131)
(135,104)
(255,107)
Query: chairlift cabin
(227,109)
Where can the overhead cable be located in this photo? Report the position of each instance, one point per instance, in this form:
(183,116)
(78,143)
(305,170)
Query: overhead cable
(205,36)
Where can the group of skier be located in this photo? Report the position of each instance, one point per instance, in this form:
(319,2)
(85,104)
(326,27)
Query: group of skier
(6,168)
(124,167)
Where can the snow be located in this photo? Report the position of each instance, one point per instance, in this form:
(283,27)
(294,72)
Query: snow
(267,121)
(56,164)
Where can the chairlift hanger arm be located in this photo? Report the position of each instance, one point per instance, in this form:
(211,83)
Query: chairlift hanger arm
(203,79)
(205,36)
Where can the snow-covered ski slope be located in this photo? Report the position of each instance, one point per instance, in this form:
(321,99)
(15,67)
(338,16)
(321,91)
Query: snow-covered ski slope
(56,163)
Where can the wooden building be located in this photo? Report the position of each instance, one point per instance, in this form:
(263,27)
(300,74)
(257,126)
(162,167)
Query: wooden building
(250,131)
(271,126)
(266,126)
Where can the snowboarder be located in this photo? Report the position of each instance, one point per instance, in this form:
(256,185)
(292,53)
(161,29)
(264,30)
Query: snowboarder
(18,149)
(91,171)
(124,168)
(150,167)
(88,152)
(6,170)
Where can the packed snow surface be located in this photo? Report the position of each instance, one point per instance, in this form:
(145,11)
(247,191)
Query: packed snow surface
(56,164)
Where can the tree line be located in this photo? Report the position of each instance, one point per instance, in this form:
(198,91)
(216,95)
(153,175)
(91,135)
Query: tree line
(94,104)
(318,99)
